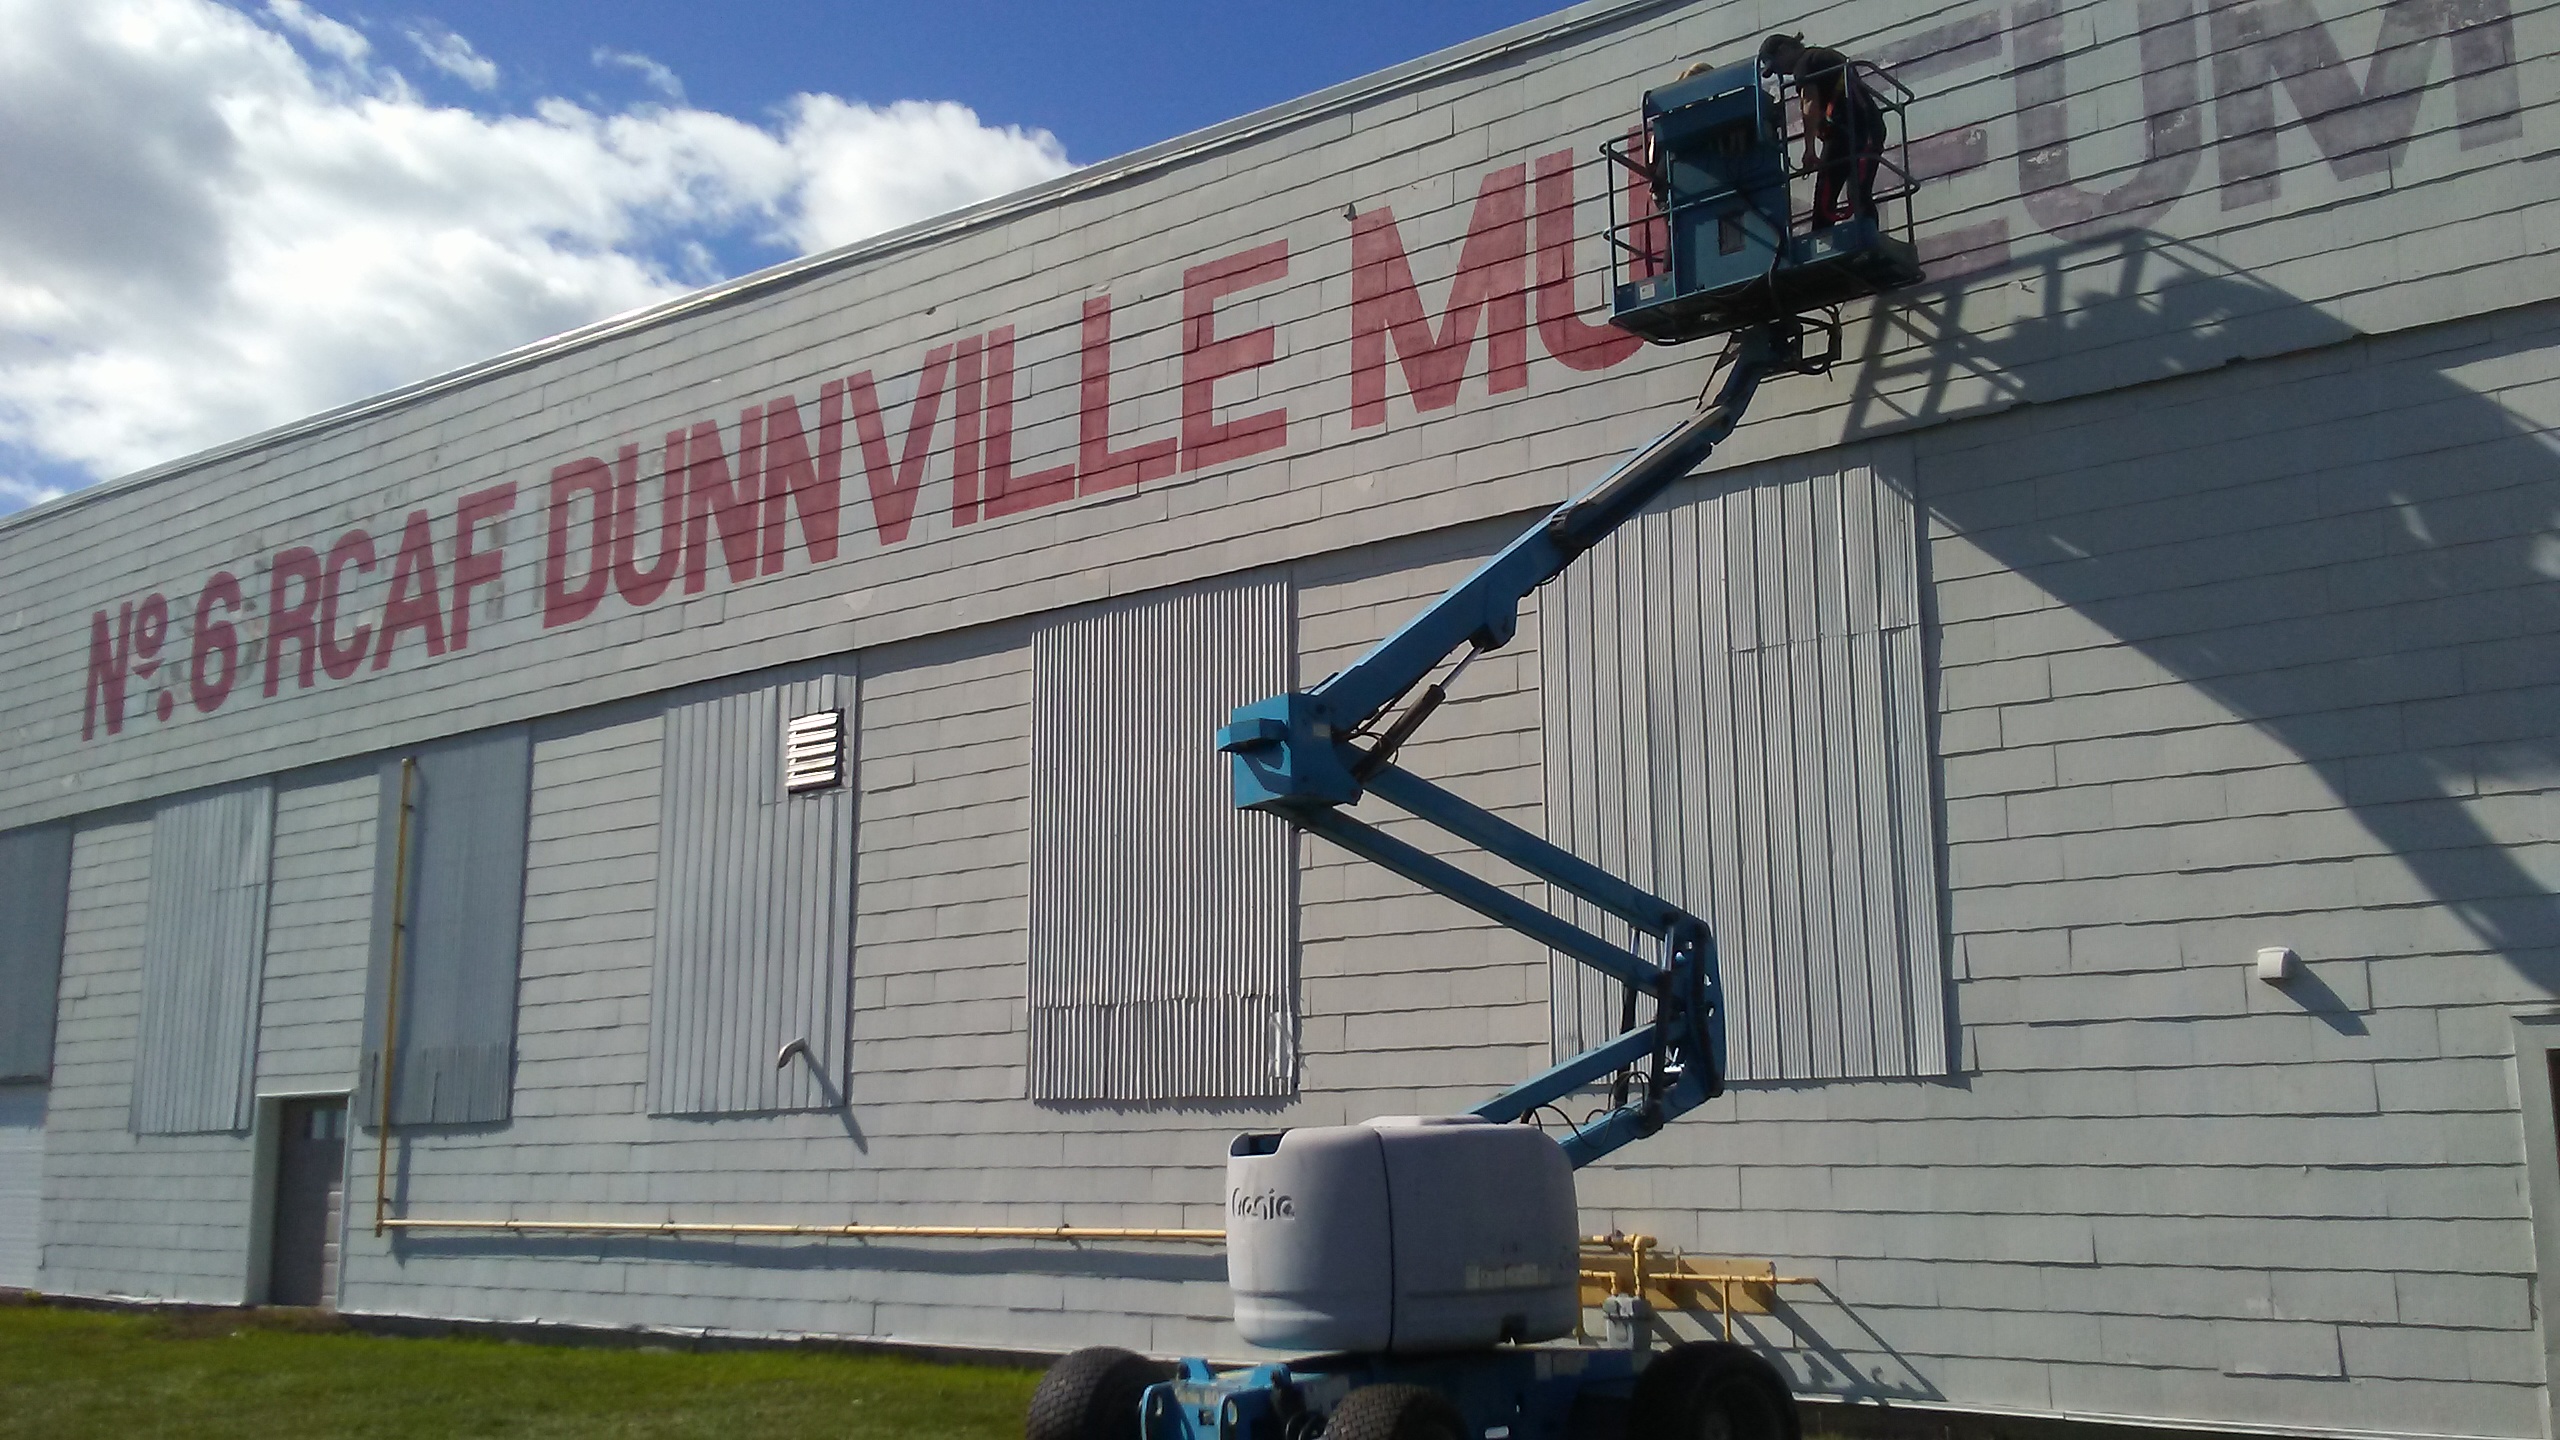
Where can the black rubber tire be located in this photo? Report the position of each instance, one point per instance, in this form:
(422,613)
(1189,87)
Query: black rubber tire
(1395,1412)
(1708,1390)
(1092,1395)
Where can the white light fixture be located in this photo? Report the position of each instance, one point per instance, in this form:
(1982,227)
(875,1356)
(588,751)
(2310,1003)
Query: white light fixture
(2275,964)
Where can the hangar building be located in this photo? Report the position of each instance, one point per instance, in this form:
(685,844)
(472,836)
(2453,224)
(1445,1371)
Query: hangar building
(773,733)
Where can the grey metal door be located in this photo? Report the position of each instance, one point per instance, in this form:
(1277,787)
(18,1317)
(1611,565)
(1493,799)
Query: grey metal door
(21,1181)
(310,1186)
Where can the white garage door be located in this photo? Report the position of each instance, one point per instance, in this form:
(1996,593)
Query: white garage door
(21,1181)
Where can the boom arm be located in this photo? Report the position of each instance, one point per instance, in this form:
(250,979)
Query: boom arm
(1299,756)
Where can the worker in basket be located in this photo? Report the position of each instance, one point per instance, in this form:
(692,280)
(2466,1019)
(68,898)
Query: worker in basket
(1843,126)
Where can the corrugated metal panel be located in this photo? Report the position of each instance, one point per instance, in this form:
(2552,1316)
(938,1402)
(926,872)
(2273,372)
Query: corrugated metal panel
(1736,716)
(1163,919)
(755,906)
(21,1183)
(203,942)
(35,886)
(465,896)
(311,998)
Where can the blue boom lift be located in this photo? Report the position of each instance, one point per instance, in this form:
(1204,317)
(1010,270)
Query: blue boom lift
(1425,1257)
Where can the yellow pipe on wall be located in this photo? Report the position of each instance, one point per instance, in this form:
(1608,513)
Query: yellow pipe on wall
(391,1006)
(1159,1235)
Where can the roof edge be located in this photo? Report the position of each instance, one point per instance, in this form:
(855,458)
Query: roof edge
(1530,34)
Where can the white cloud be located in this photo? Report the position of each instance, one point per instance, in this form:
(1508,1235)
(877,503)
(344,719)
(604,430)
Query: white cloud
(453,55)
(341,42)
(872,168)
(652,74)
(232,233)
(17,493)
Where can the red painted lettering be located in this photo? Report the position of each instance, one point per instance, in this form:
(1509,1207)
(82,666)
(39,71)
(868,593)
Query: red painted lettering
(472,566)
(2359,129)
(213,657)
(1978,39)
(1207,359)
(2173,130)
(288,619)
(636,585)
(563,602)
(1098,466)
(150,628)
(1491,284)
(109,655)
(1007,493)
(713,499)
(1561,328)
(417,594)
(339,658)
(793,482)
(965,468)
(893,486)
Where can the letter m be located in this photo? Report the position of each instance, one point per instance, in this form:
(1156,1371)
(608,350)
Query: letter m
(2360,129)
(1492,285)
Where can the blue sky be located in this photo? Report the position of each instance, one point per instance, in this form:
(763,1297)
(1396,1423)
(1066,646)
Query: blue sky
(1104,78)
(246,211)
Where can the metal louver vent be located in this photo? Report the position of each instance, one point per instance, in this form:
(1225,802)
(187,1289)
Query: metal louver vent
(813,752)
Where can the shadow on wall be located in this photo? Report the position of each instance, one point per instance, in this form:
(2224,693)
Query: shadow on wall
(2334,564)
(1793,1336)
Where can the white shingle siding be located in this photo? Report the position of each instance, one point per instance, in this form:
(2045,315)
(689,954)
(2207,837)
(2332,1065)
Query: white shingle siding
(2219,656)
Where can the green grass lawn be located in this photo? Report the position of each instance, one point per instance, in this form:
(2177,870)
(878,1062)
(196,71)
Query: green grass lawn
(73,1373)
